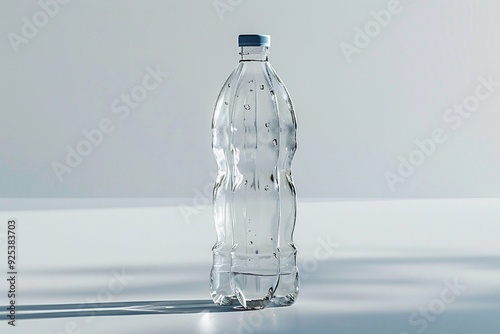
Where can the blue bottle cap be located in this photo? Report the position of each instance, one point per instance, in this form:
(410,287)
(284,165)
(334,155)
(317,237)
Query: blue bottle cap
(254,40)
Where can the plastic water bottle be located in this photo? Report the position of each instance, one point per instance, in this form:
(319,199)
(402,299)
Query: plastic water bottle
(254,203)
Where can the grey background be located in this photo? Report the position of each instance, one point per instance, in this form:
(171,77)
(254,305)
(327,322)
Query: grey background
(355,118)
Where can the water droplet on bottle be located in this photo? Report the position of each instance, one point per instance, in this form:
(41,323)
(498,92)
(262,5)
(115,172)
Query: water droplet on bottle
(272,178)
(250,81)
(272,92)
(267,124)
(251,90)
(275,142)
(229,85)
(266,188)
(246,181)
(261,87)
(247,107)
(256,252)
(272,239)
(226,103)
(275,256)
(251,242)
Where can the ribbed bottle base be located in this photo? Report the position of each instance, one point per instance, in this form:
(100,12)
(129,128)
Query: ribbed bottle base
(287,290)
(254,291)
(224,300)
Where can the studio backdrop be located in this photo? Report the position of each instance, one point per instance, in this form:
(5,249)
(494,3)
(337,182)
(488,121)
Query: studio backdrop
(115,98)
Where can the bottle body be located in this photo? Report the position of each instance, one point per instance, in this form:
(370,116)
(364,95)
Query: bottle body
(254,140)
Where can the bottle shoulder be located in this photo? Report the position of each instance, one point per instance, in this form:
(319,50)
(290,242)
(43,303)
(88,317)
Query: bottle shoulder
(250,81)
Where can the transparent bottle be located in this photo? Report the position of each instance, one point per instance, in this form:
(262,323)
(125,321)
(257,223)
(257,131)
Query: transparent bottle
(254,203)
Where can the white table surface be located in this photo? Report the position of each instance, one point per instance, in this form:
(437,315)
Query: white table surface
(368,266)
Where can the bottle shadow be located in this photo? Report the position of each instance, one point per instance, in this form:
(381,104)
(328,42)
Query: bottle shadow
(121,308)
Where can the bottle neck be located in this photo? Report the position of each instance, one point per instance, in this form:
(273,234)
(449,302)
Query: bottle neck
(254,53)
